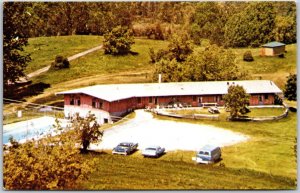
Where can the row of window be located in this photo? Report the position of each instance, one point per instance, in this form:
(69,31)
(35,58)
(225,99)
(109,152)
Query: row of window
(96,103)
(150,99)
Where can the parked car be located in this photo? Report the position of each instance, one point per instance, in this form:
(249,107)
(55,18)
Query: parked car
(125,148)
(153,151)
(208,154)
(213,110)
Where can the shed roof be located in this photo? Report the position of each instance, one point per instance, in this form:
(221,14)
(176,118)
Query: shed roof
(114,92)
(273,44)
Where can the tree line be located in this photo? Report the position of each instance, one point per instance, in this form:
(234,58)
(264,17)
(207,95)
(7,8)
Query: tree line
(223,24)
(233,24)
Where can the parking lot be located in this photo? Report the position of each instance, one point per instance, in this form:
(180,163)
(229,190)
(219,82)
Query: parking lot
(145,130)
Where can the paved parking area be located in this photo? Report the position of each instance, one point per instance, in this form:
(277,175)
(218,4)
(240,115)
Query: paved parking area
(146,130)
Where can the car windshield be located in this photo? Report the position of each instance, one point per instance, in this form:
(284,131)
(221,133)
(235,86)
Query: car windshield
(124,145)
(151,148)
(203,152)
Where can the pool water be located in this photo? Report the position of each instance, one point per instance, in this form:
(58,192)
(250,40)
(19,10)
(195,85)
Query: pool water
(26,133)
(27,130)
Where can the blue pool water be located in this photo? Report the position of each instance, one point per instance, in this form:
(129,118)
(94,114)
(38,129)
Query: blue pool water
(25,132)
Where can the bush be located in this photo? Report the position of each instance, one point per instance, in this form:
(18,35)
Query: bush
(60,63)
(118,41)
(248,56)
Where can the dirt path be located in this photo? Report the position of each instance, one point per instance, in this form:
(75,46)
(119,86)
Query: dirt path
(45,69)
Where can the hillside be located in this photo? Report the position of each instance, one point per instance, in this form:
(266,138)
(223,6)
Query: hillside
(98,68)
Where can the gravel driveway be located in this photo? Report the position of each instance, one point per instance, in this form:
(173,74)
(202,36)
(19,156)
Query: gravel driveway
(146,130)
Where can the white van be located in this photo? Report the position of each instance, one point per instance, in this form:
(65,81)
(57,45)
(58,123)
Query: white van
(208,154)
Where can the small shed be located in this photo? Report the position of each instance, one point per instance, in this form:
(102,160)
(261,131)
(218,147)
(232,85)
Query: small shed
(272,49)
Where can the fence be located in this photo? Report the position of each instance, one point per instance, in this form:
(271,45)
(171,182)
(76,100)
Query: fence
(22,111)
(192,116)
(264,118)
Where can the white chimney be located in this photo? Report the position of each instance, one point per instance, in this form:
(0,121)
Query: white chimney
(159,78)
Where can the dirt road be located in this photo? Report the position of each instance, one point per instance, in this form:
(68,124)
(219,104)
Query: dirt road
(45,69)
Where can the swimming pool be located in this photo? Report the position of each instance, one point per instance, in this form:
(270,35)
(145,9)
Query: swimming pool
(27,130)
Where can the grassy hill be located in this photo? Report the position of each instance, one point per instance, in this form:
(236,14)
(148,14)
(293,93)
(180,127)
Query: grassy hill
(98,68)
(113,172)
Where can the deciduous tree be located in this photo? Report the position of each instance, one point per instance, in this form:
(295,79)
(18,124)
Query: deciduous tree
(251,27)
(51,163)
(290,90)
(236,100)
(118,41)
(87,130)
(15,37)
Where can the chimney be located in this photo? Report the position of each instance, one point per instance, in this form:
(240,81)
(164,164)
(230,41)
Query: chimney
(159,78)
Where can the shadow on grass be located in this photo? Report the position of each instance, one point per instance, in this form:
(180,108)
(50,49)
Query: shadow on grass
(21,90)
(155,157)
(92,152)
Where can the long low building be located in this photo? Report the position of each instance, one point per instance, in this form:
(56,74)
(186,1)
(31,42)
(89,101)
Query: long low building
(107,101)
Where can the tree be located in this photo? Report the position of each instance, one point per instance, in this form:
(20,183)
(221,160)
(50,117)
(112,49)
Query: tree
(290,90)
(236,100)
(118,41)
(15,37)
(208,23)
(213,63)
(87,130)
(51,163)
(172,71)
(251,27)
(180,47)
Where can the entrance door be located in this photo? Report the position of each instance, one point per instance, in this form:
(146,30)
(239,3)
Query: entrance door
(199,101)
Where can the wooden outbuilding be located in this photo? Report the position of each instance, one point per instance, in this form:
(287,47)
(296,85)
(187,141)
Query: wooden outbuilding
(115,100)
(272,49)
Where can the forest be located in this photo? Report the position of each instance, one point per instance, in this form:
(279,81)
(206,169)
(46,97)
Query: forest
(233,24)
(225,24)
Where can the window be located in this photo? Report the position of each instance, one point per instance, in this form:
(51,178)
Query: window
(200,99)
(78,101)
(194,98)
(139,100)
(94,103)
(150,99)
(266,96)
(105,120)
(72,101)
(101,105)
(260,98)
(155,100)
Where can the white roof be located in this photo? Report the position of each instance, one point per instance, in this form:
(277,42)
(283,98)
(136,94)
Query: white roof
(113,92)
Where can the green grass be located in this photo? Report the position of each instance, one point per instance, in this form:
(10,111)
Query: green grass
(98,63)
(115,172)
(269,68)
(270,148)
(43,50)
(255,112)
(261,112)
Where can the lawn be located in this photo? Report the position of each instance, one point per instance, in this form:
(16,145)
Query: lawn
(271,148)
(98,63)
(255,112)
(115,172)
(269,68)
(43,50)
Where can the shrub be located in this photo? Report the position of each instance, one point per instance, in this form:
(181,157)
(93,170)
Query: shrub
(118,41)
(60,63)
(248,56)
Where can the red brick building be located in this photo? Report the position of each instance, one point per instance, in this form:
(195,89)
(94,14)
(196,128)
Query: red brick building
(107,101)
